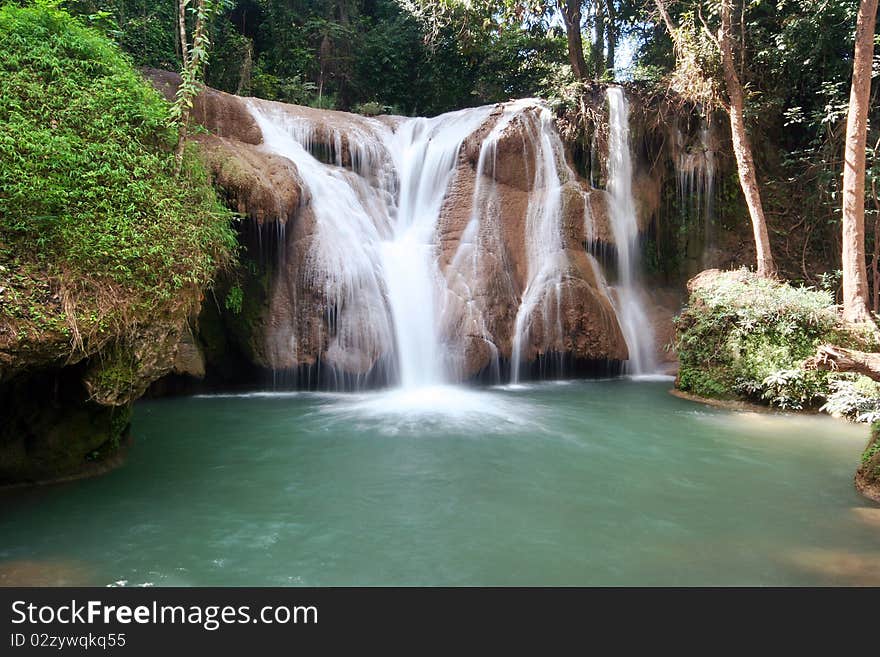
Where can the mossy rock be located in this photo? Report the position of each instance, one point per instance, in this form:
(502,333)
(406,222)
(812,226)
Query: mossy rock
(225,326)
(868,475)
(51,431)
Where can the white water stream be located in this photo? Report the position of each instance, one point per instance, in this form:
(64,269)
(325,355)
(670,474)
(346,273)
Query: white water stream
(624,224)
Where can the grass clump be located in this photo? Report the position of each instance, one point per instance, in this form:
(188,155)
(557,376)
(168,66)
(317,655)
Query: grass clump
(94,224)
(743,336)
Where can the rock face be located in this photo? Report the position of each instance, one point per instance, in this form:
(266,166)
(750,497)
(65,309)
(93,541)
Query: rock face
(513,278)
(72,405)
(498,189)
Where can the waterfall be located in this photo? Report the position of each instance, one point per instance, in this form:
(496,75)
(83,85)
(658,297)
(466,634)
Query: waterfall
(351,210)
(427,251)
(624,225)
(696,188)
(545,256)
(373,254)
(479,237)
(425,152)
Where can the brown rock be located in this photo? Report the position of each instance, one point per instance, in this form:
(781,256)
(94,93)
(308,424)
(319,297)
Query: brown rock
(223,114)
(259,184)
(189,360)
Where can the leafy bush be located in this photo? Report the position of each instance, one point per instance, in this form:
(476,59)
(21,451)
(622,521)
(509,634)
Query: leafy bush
(288,90)
(234,299)
(371,108)
(746,336)
(87,186)
(854,397)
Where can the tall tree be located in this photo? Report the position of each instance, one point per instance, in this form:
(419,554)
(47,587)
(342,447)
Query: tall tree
(742,148)
(855,277)
(735,106)
(611,33)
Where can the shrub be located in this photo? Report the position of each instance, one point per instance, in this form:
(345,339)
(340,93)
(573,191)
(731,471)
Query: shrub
(854,397)
(746,336)
(88,193)
(372,108)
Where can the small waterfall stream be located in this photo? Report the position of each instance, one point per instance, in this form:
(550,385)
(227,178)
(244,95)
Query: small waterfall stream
(695,192)
(624,224)
(546,259)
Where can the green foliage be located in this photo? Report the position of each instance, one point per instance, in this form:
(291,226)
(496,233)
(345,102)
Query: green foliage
(345,53)
(854,397)
(372,108)
(324,101)
(742,335)
(196,48)
(234,298)
(143,28)
(287,90)
(117,372)
(87,189)
(796,69)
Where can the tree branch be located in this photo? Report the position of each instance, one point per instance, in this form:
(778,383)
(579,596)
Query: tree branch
(838,359)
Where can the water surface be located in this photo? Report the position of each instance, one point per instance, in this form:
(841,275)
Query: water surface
(584,483)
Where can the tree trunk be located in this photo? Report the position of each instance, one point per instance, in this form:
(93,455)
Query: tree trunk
(189,76)
(875,261)
(661,7)
(611,33)
(181,35)
(838,359)
(571,16)
(745,163)
(855,277)
(599,37)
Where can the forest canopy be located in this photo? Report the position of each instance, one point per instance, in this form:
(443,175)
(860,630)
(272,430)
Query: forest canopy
(794,61)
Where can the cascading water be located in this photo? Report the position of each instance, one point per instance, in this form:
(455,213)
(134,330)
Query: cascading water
(479,237)
(428,251)
(624,225)
(696,190)
(546,258)
(374,250)
(425,153)
(351,212)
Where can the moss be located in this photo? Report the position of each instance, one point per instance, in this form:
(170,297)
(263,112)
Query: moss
(227,334)
(96,230)
(117,374)
(254,281)
(104,246)
(872,451)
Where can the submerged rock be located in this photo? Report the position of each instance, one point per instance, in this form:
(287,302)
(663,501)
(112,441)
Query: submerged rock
(31,572)
(840,566)
(867,515)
